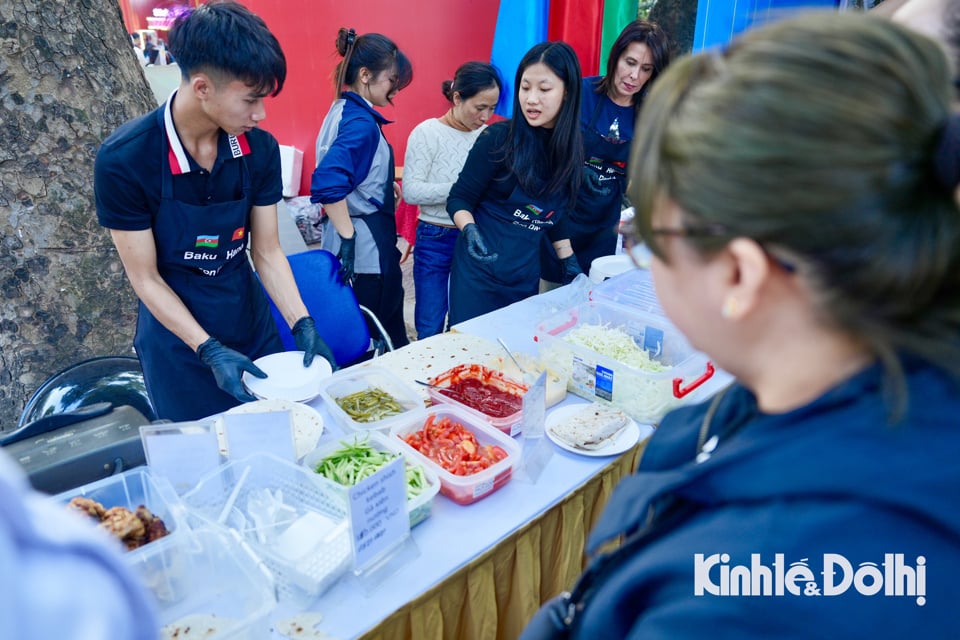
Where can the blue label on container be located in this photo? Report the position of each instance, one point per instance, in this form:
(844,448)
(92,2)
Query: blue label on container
(604,383)
(653,340)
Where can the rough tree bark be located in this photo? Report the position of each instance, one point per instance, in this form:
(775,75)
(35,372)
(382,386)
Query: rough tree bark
(68,78)
(678,18)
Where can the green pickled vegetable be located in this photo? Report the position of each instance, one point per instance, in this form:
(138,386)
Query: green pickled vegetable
(370,405)
(351,463)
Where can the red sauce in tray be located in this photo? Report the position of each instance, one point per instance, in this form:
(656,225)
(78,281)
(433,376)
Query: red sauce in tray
(483,397)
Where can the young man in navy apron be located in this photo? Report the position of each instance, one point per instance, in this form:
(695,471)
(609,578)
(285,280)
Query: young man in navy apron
(182,189)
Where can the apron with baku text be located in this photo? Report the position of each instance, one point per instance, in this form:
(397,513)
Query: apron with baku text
(201,255)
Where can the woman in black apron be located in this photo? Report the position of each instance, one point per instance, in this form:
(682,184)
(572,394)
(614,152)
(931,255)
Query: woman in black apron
(609,109)
(354,177)
(517,186)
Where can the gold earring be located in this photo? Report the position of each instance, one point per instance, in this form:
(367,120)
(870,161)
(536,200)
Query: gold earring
(730,308)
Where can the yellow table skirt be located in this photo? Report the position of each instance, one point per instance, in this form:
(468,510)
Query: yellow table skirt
(497,594)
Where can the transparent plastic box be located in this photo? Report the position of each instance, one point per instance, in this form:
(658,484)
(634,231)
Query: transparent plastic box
(633,289)
(130,489)
(464,489)
(419,507)
(302,534)
(644,395)
(511,424)
(212,586)
(356,379)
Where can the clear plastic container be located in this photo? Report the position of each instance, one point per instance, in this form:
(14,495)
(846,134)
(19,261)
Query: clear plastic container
(211,585)
(511,424)
(202,578)
(463,489)
(295,523)
(633,288)
(644,395)
(131,489)
(418,507)
(356,379)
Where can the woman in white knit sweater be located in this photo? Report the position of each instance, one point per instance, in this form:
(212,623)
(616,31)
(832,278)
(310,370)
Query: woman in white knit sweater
(436,151)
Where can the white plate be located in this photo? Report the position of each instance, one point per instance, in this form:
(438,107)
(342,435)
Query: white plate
(307,423)
(287,378)
(628,437)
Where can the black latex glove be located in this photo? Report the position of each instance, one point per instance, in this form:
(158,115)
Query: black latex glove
(476,247)
(571,268)
(311,343)
(228,367)
(347,255)
(594,185)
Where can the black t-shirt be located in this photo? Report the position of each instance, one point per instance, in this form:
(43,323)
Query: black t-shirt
(127,172)
(485,175)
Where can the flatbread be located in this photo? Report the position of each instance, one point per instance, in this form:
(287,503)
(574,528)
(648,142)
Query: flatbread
(196,625)
(591,428)
(303,626)
(424,359)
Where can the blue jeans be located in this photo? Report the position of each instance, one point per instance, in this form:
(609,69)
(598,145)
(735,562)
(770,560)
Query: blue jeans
(432,255)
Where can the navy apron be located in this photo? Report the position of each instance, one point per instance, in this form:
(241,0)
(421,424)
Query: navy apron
(201,255)
(513,229)
(386,301)
(594,219)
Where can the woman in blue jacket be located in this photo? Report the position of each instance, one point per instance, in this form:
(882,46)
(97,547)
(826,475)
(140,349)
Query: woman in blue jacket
(516,186)
(354,178)
(805,236)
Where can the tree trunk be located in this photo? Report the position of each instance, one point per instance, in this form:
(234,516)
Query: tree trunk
(68,78)
(678,18)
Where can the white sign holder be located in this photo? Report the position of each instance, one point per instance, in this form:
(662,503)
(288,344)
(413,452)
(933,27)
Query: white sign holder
(380,525)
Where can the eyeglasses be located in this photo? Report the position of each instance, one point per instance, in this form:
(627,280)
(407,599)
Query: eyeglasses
(639,252)
(704,231)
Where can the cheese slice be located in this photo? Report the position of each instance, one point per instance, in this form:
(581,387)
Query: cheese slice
(591,428)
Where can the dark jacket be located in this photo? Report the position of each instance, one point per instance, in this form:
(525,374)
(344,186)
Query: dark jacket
(830,486)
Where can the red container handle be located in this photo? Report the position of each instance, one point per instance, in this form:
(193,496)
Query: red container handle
(679,391)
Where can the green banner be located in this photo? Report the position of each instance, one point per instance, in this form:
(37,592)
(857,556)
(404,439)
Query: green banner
(616,15)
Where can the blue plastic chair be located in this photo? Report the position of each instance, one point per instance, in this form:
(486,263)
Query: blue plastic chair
(340,318)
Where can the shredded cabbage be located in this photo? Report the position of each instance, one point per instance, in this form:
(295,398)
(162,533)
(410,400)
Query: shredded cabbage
(614,343)
(644,398)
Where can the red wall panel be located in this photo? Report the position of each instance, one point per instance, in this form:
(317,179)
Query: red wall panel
(437,36)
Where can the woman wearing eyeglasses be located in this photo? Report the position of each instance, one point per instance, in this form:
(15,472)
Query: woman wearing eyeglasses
(805,237)
(354,178)
(608,110)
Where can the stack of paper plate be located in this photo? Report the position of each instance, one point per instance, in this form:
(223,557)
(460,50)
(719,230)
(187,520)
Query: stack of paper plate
(287,378)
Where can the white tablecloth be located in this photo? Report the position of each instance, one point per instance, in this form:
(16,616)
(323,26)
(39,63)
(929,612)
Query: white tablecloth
(454,535)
